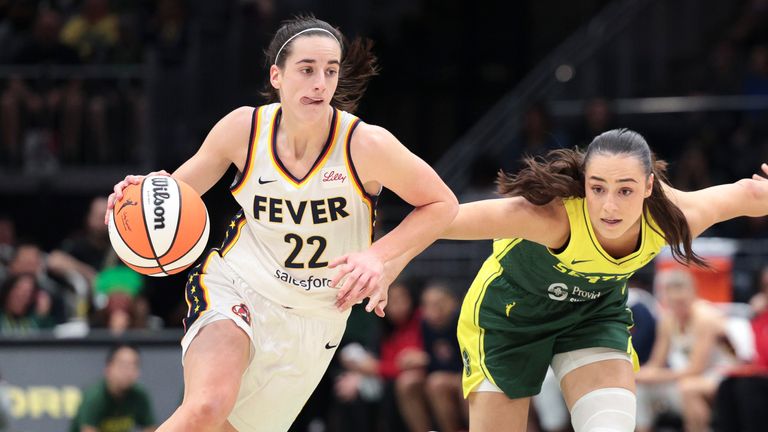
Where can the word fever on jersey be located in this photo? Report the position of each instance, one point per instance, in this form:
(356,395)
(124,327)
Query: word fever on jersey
(276,210)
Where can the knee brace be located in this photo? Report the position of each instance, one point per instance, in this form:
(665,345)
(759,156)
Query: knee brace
(605,410)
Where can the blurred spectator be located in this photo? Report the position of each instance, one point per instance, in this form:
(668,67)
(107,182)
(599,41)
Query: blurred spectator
(358,389)
(28,258)
(440,317)
(24,307)
(7,242)
(401,364)
(93,32)
(537,137)
(356,394)
(402,358)
(41,116)
(116,403)
(644,311)
(743,396)
(89,250)
(597,119)
(759,302)
(688,358)
(119,303)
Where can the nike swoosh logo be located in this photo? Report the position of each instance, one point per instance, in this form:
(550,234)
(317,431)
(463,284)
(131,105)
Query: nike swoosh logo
(579,261)
(265,181)
(329,346)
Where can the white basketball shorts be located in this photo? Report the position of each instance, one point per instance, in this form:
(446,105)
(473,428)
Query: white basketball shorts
(290,352)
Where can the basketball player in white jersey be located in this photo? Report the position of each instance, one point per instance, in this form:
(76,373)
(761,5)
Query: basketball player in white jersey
(268,308)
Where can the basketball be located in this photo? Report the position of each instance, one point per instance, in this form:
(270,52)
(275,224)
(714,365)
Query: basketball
(159,227)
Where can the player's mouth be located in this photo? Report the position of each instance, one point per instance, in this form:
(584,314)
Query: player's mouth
(611,222)
(311,101)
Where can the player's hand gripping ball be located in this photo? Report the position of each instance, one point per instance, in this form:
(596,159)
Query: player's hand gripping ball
(159,227)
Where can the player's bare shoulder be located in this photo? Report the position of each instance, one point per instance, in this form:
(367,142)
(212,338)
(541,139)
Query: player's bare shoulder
(371,148)
(231,135)
(369,140)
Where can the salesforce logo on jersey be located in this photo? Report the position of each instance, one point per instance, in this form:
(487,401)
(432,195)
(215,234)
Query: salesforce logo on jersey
(306,284)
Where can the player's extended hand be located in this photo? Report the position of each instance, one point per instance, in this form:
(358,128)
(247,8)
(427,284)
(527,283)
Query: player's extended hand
(361,274)
(117,195)
(764,167)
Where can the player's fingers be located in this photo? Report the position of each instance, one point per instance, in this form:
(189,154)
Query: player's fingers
(341,273)
(764,166)
(380,308)
(348,293)
(110,206)
(119,190)
(346,287)
(356,293)
(338,260)
(373,301)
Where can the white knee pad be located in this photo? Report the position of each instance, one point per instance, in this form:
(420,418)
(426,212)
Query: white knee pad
(604,410)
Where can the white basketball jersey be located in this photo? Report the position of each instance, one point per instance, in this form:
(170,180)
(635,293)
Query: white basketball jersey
(289,229)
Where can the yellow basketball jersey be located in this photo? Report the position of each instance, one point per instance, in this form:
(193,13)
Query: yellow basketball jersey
(583,270)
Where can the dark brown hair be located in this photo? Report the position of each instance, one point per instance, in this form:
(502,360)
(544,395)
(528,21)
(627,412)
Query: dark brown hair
(358,64)
(561,175)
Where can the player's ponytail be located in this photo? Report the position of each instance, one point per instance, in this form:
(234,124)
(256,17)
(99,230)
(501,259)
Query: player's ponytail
(670,219)
(358,63)
(559,174)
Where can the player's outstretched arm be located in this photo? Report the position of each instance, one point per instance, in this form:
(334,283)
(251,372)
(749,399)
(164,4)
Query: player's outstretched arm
(513,217)
(226,143)
(380,159)
(706,207)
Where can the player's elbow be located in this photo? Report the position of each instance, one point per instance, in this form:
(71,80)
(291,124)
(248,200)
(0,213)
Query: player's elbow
(449,208)
(452,204)
(753,193)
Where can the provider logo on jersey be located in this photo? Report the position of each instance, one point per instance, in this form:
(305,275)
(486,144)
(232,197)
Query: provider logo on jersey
(560,291)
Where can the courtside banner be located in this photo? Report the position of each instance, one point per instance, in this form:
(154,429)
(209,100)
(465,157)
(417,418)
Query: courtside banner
(43,377)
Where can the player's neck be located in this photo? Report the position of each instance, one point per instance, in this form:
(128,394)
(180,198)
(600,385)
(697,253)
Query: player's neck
(299,137)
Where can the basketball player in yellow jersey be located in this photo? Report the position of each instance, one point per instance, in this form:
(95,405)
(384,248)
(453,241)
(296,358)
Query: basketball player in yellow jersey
(572,229)
(268,308)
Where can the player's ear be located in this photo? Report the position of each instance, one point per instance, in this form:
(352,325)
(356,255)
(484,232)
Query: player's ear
(274,76)
(649,185)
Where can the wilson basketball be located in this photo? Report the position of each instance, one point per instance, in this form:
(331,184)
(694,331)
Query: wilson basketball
(159,227)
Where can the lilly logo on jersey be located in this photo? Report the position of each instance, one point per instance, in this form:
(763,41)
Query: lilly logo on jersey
(333,177)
